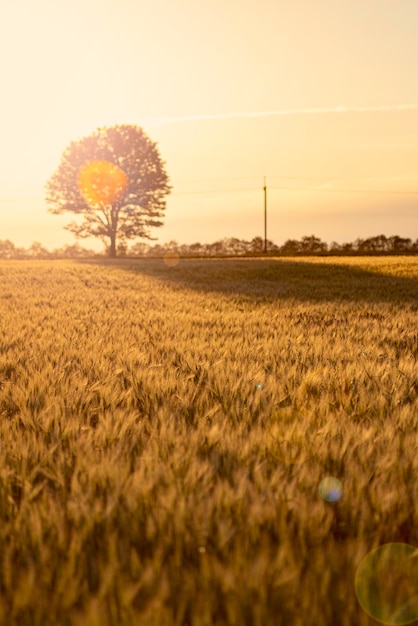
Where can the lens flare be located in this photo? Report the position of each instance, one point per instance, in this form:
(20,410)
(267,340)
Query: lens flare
(386,584)
(171,259)
(330,489)
(101,182)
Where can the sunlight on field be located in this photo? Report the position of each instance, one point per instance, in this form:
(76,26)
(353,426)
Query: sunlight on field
(210,442)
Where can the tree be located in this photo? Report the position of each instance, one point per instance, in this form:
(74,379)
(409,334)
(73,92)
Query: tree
(236,246)
(138,249)
(72,251)
(195,248)
(115,180)
(8,249)
(291,247)
(399,244)
(257,244)
(312,245)
(38,251)
(216,248)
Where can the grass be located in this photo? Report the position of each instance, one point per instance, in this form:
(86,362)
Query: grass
(164,431)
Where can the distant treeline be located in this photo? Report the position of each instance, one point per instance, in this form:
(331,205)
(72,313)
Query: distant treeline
(229,246)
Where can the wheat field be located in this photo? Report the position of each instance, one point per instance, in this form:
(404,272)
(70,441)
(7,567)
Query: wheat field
(165,432)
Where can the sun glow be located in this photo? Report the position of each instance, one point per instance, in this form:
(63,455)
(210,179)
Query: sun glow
(101,182)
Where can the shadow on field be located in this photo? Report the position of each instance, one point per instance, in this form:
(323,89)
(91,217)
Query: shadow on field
(272,279)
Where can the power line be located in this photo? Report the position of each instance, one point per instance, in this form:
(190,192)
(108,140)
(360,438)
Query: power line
(253,189)
(300,177)
(312,189)
(211,180)
(185,193)
(378,191)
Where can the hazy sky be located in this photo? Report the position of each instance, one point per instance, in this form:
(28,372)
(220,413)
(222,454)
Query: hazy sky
(319,96)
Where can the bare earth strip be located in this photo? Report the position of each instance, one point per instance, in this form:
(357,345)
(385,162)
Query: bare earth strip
(164,432)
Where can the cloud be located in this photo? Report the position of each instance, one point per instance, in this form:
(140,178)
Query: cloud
(281,112)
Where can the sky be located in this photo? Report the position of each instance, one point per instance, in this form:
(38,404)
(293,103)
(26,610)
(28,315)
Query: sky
(320,97)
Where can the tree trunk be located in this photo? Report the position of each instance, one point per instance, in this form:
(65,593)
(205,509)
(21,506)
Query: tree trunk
(112,249)
(113,230)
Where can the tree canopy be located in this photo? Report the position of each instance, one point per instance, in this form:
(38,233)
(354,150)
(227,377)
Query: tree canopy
(115,180)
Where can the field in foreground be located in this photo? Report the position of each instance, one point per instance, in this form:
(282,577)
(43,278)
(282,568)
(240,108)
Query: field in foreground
(165,433)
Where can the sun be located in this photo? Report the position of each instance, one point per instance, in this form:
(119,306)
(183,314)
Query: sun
(101,183)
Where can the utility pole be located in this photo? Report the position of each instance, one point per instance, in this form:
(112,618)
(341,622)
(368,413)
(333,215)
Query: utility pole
(265,215)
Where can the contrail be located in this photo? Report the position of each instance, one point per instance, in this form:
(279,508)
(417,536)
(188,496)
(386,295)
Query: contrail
(279,112)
